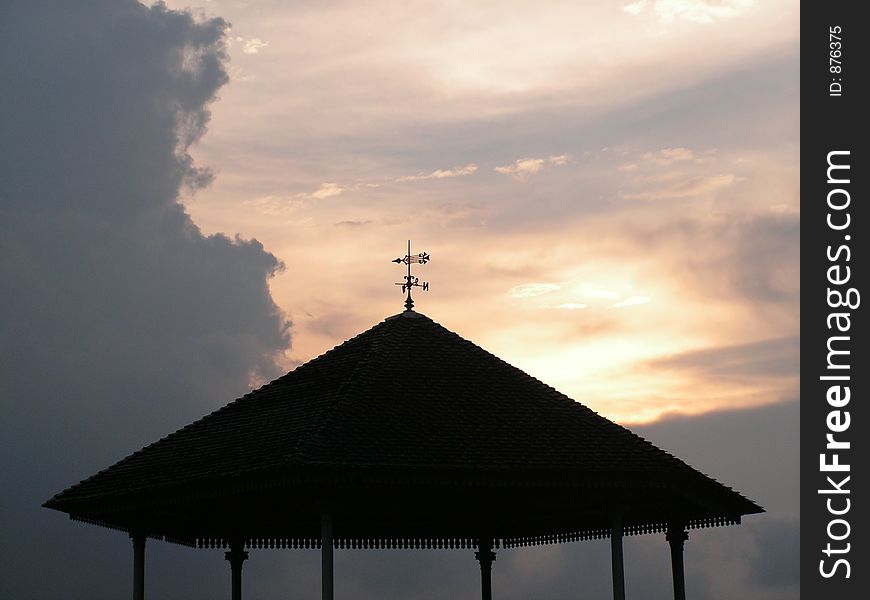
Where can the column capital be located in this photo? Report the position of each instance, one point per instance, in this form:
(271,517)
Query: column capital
(485,554)
(236,556)
(676,534)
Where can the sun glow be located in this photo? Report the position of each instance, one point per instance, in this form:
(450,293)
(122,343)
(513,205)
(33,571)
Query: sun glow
(601,260)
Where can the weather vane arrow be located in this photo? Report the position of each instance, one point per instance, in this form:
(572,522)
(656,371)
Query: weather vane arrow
(411,281)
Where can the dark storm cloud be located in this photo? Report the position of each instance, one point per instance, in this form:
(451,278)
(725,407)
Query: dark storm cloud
(779,540)
(754,451)
(121,321)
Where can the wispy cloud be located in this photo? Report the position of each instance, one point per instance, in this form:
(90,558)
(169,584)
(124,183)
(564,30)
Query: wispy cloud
(277,205)
(570,306)
(695,186)
(468,169)
(590,292)
(631,301)
(635,8)
(327,190)
(695,11)
(779,357)
(250,45)
(524,168)
(530,290)
(667,156)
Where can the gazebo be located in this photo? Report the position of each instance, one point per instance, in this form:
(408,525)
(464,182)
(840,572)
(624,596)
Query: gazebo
(405,436)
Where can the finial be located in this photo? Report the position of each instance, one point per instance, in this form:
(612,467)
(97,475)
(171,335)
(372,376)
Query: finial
(410,280)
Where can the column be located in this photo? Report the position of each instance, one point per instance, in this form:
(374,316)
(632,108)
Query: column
(236,556)
(616,563)
(138,565)
(676,537)
(326,555)
(485,556)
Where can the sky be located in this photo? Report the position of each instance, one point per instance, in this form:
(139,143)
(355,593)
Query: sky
(608,190)
(197,198)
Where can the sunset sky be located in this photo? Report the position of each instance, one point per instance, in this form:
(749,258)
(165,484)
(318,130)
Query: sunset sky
(608,190)
(196,198)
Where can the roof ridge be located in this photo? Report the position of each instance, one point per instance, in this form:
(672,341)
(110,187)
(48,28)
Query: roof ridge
(277,381)
(349,382)
(140,451)
(317,358)
(625,431)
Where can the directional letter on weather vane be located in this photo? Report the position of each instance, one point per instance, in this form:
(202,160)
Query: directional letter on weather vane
(410,280)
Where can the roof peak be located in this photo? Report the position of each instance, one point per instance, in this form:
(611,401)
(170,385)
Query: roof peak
(408,314)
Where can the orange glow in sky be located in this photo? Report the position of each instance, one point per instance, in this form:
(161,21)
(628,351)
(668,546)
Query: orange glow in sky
(619,220)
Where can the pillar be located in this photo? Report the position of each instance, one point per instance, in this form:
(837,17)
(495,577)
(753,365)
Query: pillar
(138,565)
(676,537)
(326,546)
(236,556)
(616,562)
(485,556)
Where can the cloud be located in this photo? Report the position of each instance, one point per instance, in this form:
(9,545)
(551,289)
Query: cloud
(763,466)
(530,290)
(696,186)
(695,11)
(591,292)
(252,45)
(287,205)
(125,320)
(327,190)
(779,357)
(765,265)
(523,168)
(631,301)
(778,541)
(755,260)
(635,8)
(667,156)
(468,169)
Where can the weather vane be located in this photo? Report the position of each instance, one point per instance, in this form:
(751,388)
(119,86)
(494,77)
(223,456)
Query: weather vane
(410,280)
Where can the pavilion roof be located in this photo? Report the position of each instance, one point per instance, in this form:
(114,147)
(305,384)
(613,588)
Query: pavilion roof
(407,400)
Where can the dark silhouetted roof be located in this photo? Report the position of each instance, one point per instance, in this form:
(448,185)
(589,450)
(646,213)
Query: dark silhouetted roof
(405,403)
